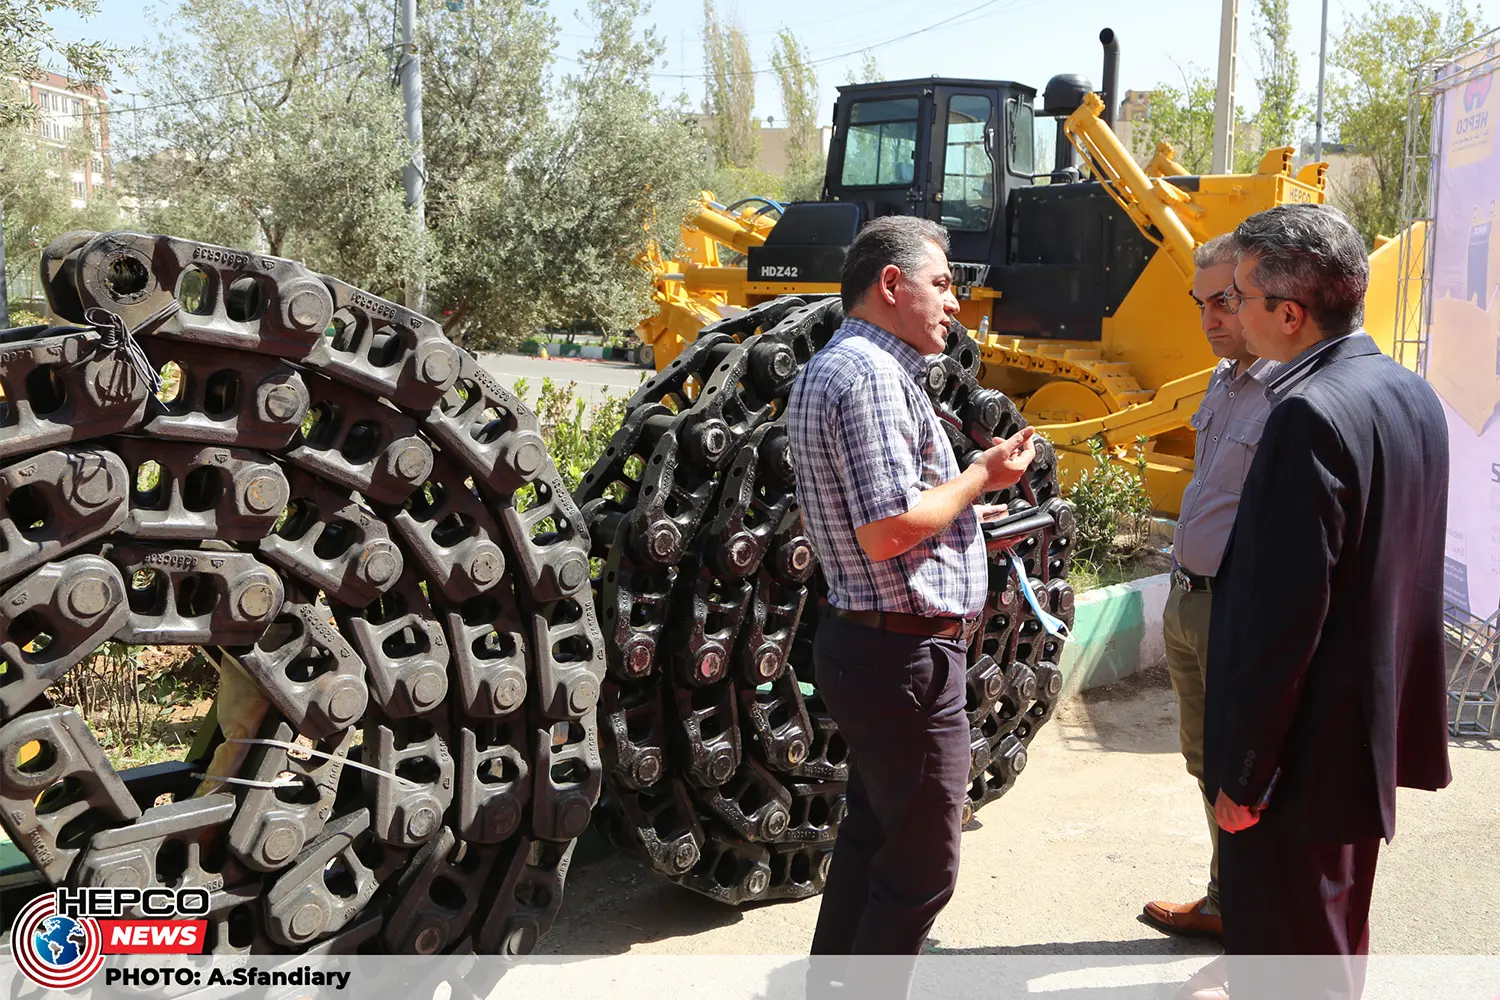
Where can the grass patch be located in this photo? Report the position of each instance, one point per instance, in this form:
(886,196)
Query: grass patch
(1086,574)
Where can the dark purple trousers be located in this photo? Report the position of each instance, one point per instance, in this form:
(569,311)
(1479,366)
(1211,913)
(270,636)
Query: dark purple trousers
(899,703)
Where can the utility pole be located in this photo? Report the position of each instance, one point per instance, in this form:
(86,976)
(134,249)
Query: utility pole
(4,285)
(1223,160)
(1322,65)
(409,68)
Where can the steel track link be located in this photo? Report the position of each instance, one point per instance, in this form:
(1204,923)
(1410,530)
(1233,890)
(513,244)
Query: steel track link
(722,765)
(365,534)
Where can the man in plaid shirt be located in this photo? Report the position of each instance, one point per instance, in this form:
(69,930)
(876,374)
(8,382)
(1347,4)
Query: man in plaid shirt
(895,527)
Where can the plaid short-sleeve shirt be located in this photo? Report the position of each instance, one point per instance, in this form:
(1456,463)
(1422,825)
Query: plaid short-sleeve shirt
(866,443)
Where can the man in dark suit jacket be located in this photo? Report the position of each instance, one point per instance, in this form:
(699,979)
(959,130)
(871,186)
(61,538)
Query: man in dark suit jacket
(1326,662)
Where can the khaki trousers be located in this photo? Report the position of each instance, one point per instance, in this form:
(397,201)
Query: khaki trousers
(1185,628)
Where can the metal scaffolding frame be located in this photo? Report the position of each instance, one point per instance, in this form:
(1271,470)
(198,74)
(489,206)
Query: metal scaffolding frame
(1473,697)
(1425,121)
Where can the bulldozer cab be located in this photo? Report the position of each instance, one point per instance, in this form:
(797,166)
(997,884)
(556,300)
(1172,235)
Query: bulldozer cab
(950,150)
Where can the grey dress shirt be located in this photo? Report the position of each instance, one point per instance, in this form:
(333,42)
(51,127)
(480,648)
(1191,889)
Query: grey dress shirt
(1229,422)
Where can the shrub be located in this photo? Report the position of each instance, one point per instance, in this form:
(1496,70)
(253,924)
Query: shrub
(1111,507)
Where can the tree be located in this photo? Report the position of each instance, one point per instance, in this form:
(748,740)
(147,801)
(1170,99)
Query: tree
(281,129)
(730,101)
(1367,99)
(868,70)
(25,39)
(1182,116)
(549,227)
(1281,106)
(798,82)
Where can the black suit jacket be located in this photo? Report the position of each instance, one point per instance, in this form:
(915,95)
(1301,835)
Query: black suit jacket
(1326,657)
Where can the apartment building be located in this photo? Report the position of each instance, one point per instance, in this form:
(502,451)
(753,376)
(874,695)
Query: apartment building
(74,122)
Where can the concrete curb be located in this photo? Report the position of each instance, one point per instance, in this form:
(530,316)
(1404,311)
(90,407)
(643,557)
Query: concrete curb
(1116,632)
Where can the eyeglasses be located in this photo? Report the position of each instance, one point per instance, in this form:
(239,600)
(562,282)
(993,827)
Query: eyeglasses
(1233,298)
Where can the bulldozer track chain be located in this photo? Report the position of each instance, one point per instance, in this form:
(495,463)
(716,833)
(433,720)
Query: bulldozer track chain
(721,765)
(364,532)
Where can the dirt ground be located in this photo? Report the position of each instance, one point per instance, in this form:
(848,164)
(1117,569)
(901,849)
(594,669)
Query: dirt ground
(1104,819)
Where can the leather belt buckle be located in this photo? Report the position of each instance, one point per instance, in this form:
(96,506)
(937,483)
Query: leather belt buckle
(1190,582)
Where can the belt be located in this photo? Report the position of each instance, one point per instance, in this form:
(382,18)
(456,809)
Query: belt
(904,624)
(1192,581)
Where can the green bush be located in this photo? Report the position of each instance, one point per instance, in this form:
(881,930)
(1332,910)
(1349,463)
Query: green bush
(1111,507)
(576,434)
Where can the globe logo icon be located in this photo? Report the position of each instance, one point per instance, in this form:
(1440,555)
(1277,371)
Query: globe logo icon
(54,950)
(59,940)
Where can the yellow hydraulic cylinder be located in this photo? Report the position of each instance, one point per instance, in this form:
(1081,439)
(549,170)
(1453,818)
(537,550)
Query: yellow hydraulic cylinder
(1118,169)
(727,229)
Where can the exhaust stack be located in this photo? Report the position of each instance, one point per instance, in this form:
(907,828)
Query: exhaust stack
(1111,85)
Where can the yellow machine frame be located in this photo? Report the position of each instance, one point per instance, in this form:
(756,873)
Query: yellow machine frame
(1138,385)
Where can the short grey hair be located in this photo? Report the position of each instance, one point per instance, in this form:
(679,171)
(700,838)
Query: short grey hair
(1222,249)
(1310,254)
(891,239)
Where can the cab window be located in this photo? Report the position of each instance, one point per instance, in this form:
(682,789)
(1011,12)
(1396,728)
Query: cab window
(1020,137)
(968,170)
(882,143)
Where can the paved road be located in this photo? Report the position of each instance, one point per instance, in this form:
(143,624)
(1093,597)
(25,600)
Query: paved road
(595,379)
(1104,819)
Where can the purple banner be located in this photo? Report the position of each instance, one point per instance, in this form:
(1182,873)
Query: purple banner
(1463,361)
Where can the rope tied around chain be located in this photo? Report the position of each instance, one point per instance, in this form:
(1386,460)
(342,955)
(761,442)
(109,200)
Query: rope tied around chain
(114,335)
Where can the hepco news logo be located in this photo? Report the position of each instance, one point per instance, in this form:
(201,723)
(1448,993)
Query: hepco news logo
(59,940)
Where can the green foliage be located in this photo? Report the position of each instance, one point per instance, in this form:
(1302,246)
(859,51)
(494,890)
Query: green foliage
(729,103)
(540,183)
(542,221)
(36,199)
(304,161)
(1183,116)
(1282,109)
(868,71)
(1370,62)
(798,82)
(25,40)
(575,432)
(141,701)
(730,184)
(1111,507)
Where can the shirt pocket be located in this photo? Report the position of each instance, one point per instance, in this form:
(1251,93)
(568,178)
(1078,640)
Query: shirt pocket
(1199,422)
(1236,451)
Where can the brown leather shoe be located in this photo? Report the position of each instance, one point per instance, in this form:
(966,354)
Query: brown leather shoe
(1185,918)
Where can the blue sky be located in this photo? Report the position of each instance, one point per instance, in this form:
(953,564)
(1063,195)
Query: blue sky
(1025,40)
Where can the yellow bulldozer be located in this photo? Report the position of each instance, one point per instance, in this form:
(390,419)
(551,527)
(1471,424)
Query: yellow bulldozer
(1073,275)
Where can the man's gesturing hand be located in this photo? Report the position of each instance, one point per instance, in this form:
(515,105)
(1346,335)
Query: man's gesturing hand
(1006,461)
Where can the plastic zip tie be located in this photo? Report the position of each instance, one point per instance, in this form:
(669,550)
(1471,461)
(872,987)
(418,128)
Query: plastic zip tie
(1054,626)
(246,781)
(284,745)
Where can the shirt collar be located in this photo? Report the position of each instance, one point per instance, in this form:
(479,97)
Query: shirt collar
(1302,365)
(1261,369)
(906,356)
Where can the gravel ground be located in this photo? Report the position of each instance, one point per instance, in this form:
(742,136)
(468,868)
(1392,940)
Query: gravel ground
(1104,819)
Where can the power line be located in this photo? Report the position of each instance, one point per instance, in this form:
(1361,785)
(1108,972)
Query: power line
(821,60)
(122,109)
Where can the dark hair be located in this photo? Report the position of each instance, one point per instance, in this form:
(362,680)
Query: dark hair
(891,239)
(1310,253)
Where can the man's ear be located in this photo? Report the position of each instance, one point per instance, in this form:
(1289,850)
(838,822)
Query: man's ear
(890,279)
(1296,317)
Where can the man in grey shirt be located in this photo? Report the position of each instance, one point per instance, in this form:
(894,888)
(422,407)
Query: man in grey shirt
(1229,423)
